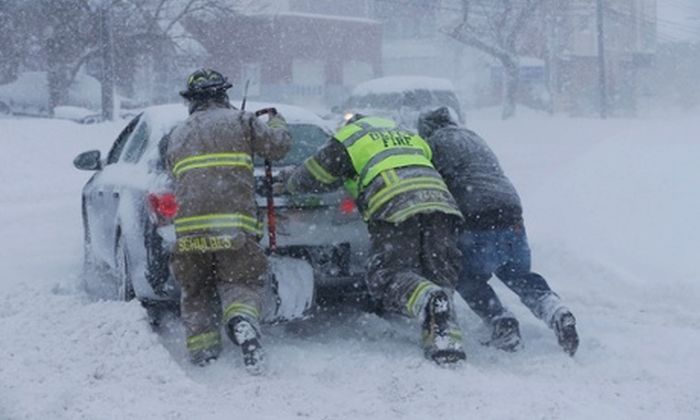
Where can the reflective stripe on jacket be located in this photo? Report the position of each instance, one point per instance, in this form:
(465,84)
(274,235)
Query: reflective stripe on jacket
(210,156)
(211,160)
(376,144)
(377,147)
(386,169)
(218,223)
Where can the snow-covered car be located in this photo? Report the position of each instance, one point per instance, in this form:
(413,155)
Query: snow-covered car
(128,233)
(29,96)
(402,98)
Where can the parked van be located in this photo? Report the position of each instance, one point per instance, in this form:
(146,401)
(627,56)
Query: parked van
(402,98)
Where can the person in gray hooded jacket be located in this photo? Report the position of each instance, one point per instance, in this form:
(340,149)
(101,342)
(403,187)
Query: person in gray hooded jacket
(492,238)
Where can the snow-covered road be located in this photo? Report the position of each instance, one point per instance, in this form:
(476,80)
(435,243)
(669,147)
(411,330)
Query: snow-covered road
(612,213)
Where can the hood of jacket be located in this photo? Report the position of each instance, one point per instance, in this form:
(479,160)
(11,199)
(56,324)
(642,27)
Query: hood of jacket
(431,121)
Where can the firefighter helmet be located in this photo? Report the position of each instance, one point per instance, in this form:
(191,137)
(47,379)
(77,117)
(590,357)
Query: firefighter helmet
(205,83)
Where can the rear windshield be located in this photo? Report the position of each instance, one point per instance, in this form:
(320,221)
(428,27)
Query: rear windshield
(306,139)
(372,100)
(417,99)
(414,99)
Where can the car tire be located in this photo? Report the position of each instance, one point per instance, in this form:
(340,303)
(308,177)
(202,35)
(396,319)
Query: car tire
(89,271)
(92,278)
(122,276)
(157,262)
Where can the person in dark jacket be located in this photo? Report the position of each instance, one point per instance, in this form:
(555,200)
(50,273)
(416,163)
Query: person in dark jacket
(217,258)
(411,218)
(492,238)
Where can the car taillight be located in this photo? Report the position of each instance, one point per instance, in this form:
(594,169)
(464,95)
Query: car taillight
(164,205)
(347,206)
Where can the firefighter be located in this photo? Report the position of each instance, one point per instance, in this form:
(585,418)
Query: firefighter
(411,216)
(217,259)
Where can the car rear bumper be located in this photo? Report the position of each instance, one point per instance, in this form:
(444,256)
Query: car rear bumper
(334,264)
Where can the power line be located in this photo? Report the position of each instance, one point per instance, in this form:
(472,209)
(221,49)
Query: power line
(662,24)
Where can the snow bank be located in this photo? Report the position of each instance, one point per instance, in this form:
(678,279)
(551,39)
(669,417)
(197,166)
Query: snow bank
(32,89)
(29,88)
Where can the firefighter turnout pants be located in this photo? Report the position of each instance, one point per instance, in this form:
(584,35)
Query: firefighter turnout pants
(218,286)
(411,259)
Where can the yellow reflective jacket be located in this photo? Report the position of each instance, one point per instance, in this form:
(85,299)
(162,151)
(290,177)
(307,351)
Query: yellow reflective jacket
(387,170)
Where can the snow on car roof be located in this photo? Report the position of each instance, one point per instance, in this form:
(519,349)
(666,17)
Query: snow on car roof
(163,117)
(328,17)
(30,87)
(293,114)
(394,84)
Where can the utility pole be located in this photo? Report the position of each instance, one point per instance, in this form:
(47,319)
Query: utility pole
(107,47)
(551,54)
(602,80)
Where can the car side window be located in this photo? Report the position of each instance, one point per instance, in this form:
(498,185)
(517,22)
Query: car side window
(118,146)
(136,144)
(163,150)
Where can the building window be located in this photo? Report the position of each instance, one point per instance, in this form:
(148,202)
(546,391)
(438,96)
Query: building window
(308,77)
(250,72)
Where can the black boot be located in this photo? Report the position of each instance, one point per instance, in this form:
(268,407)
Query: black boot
(243,333)
(205,356)
(564,326)
(505,334)
(442,338)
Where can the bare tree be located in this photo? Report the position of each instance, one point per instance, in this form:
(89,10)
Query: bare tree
(68,43)
(61,36)
(10,40)
(496,27)
(153,29)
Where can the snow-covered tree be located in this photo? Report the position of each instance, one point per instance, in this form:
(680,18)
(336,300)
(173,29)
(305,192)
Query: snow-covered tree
(495,27)
(10,41)
(151,31)
(68,41)
(61,36)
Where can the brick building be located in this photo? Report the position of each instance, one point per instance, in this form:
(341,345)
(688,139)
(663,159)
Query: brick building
(630,47)
(293,57)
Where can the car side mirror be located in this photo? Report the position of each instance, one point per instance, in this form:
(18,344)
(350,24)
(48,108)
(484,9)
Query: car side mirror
(88,161)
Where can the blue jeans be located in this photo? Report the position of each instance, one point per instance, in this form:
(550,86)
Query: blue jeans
(505,253)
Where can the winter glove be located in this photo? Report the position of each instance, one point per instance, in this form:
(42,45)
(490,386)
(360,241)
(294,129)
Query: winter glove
(280,184)
(279,188)
(277,121)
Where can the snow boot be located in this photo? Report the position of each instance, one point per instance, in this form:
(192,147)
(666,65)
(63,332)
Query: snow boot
(505,334)
(564,325)
(204,357)
(442,338)
(559,318)
(243,333)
